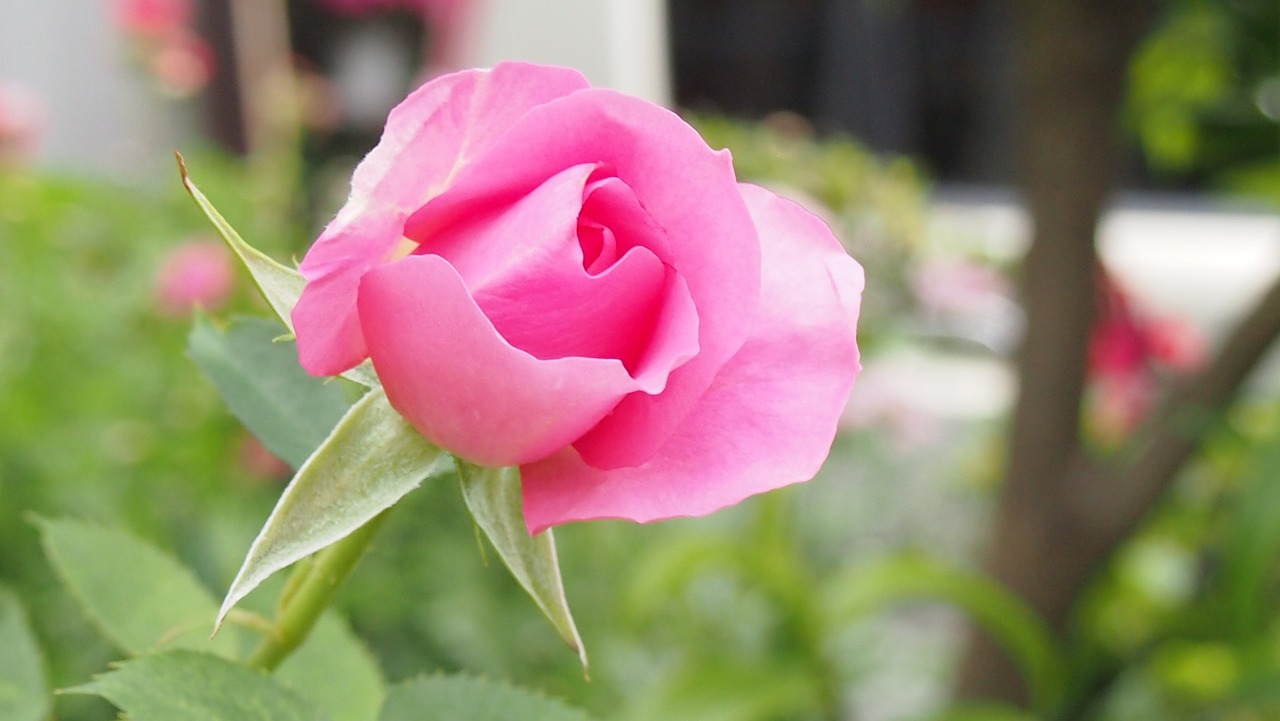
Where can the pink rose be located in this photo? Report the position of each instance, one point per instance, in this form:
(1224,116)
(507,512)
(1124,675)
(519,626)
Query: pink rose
(569,280)
(153,18)
(22,122)
(197,274)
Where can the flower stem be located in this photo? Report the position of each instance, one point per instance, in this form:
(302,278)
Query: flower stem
(310,590)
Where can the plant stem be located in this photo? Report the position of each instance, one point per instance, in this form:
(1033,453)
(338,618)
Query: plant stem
(311,589)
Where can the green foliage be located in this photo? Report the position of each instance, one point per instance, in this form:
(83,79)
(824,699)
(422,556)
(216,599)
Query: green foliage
(983,712)
(101,415)
(1204,97)
(336,672)
(288,410)
(1185,624)
(24,693)
(1180,73)
(141,599)
(467,698)
(866,589)
(198,687)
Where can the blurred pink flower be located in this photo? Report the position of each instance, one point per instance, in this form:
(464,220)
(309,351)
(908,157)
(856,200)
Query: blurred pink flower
(958,286)
(198,273)
(261,463)
(183,63)
(153,18)
(169,49)
(1127,353)
(883,400)
(22,120)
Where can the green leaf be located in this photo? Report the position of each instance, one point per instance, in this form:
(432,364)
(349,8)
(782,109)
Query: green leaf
(370,460)
(493,497)
(24,692)
(290,411)
(866,589)
(140,598)
(984,711)
(466,698)
(335,670)
(197,687)
(1250,547)
(280,285)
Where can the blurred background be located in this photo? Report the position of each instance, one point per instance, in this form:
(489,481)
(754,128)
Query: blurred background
(1054,494)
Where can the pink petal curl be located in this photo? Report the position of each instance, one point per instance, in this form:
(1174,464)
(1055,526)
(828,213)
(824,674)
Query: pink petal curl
(524,266)
(448,371)
(429,138)
(768,418)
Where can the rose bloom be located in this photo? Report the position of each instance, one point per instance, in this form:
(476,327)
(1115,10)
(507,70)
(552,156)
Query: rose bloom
(1127,352)
(197,274)
(152,17)
(182,62)
(22,121)
(568,280)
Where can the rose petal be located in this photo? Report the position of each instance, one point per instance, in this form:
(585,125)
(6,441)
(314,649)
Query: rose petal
(612,206)
(524,266)
(446,369)
(769,417)
(687,188)
(429,137)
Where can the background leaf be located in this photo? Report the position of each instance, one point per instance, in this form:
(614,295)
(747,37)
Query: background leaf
(493,497)
(24,692)
(466,698)
(372,458)
(198,687)
(869,588)
(140,598)
(290,411)
(335,670)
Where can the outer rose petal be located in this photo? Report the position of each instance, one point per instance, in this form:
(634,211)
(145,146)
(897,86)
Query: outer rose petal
(688,189)
(448,372)
(435,132)
(770,415)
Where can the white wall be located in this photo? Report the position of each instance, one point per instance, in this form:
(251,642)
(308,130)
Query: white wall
(101,114)
(621,44)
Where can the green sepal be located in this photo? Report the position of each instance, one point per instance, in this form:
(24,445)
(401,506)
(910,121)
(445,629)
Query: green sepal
(371,459)
(493,497)
(279,284)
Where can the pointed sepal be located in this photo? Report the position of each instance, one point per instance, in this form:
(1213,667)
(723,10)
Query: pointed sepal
(372,458)
(493,497)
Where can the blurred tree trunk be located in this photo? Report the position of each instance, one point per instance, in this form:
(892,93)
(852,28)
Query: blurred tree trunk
(1063,512)
(1072,57)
